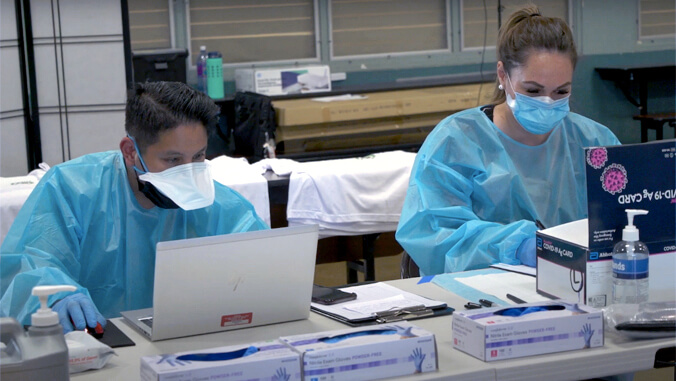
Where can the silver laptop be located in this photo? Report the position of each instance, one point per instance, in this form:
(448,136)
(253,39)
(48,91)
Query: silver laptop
(231,281)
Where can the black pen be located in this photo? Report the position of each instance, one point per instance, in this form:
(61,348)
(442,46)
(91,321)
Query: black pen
(472,305)
(486,303)
(515,299)
(540,225)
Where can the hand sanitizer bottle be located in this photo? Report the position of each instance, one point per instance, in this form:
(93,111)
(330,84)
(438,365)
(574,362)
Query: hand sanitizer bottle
(201,65)
(630,265)
(39,354)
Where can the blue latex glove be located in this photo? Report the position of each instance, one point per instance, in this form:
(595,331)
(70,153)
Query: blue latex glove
(222,356)
(520,311)
(526,252)
(78,310)
(404,332)
(345,336)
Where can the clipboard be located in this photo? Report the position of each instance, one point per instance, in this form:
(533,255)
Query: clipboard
(379,303)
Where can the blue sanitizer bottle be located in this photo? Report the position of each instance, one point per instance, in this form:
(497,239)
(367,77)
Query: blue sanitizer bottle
(630,265)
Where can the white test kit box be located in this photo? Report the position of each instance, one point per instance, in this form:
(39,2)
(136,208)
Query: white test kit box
(489,335)
(294,80)
(574,260)
(272,360)
(366,353)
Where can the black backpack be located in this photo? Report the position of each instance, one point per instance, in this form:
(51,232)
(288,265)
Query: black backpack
(254,119)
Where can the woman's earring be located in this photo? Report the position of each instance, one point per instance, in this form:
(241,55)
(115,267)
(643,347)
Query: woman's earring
(500,87)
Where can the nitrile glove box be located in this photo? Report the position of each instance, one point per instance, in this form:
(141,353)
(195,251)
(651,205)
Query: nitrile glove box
(366,353)
(295,80)
(272,360)
(488,335)
(574,260)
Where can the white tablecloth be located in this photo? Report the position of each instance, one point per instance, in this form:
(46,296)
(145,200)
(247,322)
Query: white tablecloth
(246,179)
(13,193)
(352,196)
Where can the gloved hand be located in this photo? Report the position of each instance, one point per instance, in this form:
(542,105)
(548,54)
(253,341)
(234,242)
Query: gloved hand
(79,310)
(526,252)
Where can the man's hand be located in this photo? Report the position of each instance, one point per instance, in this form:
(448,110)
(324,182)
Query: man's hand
(77,311)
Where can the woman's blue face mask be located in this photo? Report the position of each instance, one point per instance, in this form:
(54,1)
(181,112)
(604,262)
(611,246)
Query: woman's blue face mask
(537,115)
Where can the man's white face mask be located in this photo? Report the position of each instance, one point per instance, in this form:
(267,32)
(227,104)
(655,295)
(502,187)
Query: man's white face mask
(190,185)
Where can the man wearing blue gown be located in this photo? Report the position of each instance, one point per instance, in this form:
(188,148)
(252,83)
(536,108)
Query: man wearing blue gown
(93,222)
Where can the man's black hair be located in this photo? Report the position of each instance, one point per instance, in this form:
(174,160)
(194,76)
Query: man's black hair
(154,107)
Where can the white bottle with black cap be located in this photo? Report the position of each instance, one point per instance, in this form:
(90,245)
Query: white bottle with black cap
(630,265)
(39,354)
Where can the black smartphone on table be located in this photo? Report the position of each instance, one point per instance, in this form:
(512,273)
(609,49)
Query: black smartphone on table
(329,295)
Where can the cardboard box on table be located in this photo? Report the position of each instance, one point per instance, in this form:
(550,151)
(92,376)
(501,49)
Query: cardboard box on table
(273,360)
(294,80)
(574,260)
(364,354)
(380,118)
(488,335)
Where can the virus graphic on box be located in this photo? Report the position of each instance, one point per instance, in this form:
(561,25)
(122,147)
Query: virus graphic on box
(597,157)
(614,178)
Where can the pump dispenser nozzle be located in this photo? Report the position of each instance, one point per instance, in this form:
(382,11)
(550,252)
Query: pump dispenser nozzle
(630,233)
(44,316)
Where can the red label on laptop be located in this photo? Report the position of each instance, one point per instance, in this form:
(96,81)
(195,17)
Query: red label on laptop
(237,319)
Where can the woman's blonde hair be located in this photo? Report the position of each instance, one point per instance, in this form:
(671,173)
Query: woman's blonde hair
(527,31)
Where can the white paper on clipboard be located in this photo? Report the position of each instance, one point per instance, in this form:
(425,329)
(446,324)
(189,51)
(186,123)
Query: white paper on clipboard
(373,298)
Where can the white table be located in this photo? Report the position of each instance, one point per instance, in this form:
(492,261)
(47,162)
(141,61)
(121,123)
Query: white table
(618,356)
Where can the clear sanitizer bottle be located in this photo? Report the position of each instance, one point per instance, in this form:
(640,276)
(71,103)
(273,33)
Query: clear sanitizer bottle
(202,69)
(40,353)
(630,265)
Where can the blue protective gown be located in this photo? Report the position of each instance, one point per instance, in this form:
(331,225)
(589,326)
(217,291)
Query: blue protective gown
(83,226)
(474,192)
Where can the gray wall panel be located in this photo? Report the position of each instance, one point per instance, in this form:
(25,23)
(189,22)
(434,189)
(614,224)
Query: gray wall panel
(51,131)
(96,18)
(48,75)
(7,20)
(12,147)
(10,91)
(94,132)
(94,73)
(43,13)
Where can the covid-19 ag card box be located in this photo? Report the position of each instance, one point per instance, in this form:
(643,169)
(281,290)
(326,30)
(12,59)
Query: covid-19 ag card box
(574,260)
(500,333)
(268,360)
(366,353)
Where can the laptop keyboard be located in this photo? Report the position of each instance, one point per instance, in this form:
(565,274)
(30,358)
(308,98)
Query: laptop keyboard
(147,321)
